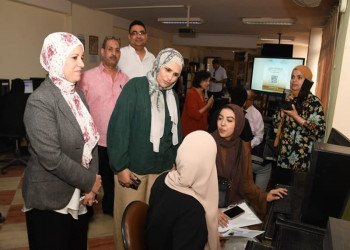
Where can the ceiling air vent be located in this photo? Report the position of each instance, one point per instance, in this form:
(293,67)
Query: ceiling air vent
(308,3)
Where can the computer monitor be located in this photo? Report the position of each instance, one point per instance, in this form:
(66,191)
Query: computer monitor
(4,86)
(328,184)
(37,81)
(337,138)
(28,86)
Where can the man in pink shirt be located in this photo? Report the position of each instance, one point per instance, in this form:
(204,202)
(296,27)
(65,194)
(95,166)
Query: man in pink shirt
(102,86)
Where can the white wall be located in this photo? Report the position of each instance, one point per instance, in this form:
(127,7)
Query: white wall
(338,115)
(88,22)
(23,29)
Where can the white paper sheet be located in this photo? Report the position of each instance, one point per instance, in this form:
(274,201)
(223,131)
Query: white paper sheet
(248,218)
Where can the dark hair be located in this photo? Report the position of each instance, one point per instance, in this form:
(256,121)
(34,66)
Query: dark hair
(238,95)
(216,61)
(199,77)
(136,22)
(109,38)
(226,106)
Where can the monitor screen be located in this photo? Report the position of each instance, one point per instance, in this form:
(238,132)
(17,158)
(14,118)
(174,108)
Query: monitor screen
(4,86)
(273,74)
(28,86)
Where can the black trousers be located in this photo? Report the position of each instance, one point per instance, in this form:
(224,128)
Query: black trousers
(51,230)
(107,176)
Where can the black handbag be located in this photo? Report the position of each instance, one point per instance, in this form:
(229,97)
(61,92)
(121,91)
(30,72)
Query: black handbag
(225,183)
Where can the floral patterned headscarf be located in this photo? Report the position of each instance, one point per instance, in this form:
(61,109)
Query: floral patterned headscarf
(54,53)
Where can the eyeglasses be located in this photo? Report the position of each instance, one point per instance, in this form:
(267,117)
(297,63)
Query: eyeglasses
(135,33)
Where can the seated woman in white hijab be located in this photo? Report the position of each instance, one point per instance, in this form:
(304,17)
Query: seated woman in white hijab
(183,203)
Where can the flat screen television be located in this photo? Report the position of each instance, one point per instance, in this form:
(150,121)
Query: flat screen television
(273,74)
(328,185)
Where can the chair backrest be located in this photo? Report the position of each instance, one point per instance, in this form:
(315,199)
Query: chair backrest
(134,225)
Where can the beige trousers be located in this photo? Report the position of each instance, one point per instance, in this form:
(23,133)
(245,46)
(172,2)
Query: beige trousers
(123,196)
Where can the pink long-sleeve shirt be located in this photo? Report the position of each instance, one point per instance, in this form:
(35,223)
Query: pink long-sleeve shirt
(101,93)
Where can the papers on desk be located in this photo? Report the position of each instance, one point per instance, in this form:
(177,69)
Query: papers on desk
(248,218)
(242,232)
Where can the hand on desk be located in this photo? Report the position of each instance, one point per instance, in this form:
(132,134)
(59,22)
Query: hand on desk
(276,194)
(223,219)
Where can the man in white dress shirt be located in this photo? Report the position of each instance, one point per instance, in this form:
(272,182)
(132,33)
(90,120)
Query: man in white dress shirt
(218,78)
(135,60)
(261,170)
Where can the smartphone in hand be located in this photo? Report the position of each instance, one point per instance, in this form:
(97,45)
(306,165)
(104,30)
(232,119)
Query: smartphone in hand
(135,183)
(234,212)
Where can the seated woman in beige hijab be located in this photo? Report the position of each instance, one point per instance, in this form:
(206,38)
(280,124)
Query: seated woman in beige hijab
(183,203)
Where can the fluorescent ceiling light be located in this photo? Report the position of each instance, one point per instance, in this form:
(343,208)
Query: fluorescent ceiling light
(269,21)
(143,7)
(180,20)
(283,39)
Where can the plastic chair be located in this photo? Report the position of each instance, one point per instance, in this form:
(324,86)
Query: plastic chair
(134,225)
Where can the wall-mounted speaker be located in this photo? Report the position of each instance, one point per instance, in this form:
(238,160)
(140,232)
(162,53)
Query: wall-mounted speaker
(277,50)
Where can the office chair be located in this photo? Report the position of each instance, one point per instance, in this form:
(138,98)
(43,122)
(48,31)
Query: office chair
(11,126)
(134,225)
(17,156)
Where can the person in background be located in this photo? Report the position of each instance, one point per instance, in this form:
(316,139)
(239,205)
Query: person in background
(182,213)
(195,111)
(102,86)
(144,132)
(297,130)
(135,59)
(238,96)
(217,81)
(255,119)
(261,169)
(61,178)
(231,164)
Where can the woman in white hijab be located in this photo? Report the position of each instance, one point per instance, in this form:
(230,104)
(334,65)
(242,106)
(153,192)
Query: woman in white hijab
(183,204)
(61,175)
(144,132)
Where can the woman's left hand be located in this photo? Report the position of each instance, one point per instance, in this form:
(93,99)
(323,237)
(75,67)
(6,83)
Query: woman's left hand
(89,199)
(292,113)
(276,194)
(223,219)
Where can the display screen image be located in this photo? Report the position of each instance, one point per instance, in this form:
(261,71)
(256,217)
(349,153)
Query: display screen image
(273,74)
(28,86)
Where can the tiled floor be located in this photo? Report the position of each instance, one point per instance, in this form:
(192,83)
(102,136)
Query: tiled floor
(13,232)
